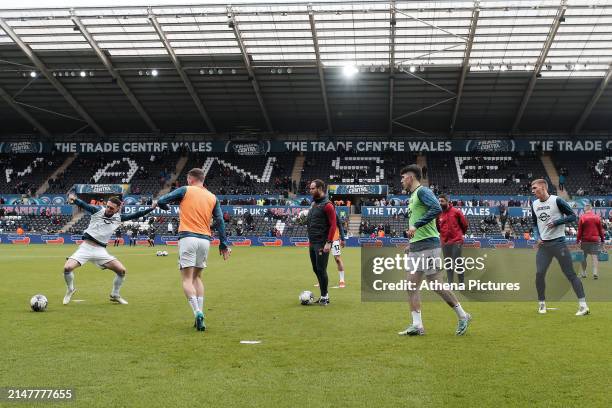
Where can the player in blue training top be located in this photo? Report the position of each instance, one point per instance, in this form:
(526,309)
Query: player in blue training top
(550,214)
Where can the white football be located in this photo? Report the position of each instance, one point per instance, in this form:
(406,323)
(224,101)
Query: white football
(306,297)
(39,303)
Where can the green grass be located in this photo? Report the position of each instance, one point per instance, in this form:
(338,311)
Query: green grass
(147,354)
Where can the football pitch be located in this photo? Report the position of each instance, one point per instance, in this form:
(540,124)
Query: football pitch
(147,354)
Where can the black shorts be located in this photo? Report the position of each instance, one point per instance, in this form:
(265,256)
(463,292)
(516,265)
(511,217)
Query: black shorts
(590,248)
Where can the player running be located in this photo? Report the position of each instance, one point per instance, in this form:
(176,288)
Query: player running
(104,221)
(424,251)
(198,207)
(452,225)
(590,235)
(322,227)
(549,214)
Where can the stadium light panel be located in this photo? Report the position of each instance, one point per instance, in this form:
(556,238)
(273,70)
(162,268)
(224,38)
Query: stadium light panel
(349,70)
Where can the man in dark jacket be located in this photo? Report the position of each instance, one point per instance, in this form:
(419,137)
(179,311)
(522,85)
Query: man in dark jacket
(452,225)
(321,231)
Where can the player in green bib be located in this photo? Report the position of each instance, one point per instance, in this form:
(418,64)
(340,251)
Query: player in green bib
(424,252)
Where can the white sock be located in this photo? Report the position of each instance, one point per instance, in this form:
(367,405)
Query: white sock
(595,264)
(416,318)
(201,303)
(582,302)
(69,278)
(542,303)
(117,282)
(341,273)
(460,312)
(193,302)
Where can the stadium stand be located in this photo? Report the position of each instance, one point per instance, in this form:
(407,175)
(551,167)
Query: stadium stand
(351,168)
(33,223)
(24,173)
(250,175)
(146,172)
(478,226)
(484,174)
(585,173)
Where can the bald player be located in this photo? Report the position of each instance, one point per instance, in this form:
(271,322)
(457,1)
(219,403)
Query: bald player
(198,207)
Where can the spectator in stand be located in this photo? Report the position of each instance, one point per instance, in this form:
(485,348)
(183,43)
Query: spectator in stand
(562,182)
(503,216)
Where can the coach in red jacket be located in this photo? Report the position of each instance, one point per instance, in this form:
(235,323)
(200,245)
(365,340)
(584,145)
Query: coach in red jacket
(452,225)
(590,234)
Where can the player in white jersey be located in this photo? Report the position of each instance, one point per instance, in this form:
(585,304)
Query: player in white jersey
(550,214)
(104,222)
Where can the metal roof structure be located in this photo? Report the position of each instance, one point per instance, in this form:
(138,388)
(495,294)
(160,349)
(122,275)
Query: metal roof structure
(415,67)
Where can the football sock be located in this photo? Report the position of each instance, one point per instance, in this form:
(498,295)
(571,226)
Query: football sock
(582,302)
(416,318)
(117,282)
(341,273)
(459,311)
(69,278)
(193,302)
(542,303)
(595,264)
(201,303)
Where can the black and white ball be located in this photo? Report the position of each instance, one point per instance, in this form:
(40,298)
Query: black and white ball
(306,298)
(38,303)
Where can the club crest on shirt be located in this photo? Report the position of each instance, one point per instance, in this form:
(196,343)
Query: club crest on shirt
(544,217)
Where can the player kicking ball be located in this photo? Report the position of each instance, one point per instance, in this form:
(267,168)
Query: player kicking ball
(424,250)
(104,221)
(550,214)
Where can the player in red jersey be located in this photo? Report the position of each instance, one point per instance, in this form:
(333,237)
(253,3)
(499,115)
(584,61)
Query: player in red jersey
(590,236)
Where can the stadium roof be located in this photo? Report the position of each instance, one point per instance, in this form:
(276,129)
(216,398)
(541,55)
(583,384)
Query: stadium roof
(424,67)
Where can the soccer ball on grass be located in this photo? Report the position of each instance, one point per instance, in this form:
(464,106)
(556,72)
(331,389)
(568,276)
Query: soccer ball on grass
(306,298)
(39,303)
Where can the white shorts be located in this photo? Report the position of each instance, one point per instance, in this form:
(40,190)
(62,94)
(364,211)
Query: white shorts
(98,255)
(193,252)
(335,249)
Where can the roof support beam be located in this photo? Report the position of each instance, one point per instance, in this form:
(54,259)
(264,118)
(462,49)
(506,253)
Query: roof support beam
(392,24)
(25,48)
(589,108)
(111,69)
(559,18)
(233,24)
(11,102)
(315,40)
(179,68)
(466,63)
